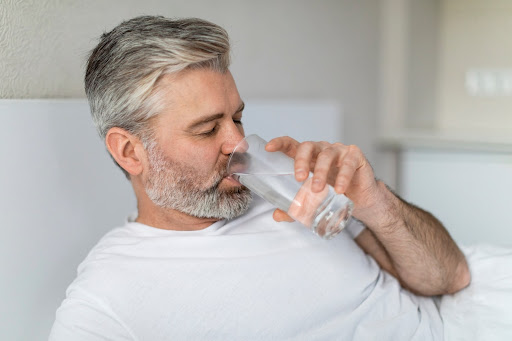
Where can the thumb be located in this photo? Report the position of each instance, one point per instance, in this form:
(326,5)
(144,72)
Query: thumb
(280,215)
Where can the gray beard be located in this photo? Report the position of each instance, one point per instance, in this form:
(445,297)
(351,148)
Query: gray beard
(176,186)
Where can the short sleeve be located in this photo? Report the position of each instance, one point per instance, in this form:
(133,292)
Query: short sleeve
(354,227)
(78,319)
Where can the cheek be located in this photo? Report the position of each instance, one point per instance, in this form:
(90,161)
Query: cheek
(205,159)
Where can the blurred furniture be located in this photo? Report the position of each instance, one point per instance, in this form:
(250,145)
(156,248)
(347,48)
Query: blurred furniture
(465,181)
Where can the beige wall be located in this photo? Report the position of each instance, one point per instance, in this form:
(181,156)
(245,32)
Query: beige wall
(437,44)
(409,62)
(423,63)
(475,34)
(325,49)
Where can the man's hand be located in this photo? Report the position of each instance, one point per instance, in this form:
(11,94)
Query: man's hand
(405,240)
(341,166)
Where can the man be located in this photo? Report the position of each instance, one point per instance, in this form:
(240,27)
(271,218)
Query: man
(199,260)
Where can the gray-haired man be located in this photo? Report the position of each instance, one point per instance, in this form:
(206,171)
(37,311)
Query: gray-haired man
(199,260)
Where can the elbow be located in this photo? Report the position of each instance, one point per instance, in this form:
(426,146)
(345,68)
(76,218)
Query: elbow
(461,278)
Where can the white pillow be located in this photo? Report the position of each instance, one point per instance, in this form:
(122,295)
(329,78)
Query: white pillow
(483,310)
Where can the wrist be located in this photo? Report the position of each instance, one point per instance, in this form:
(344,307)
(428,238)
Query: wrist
(382,213)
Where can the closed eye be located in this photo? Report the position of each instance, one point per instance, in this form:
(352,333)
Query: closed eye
(216,127)
(210,132)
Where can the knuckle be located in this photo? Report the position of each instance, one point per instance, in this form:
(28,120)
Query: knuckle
(349,162)
(354,149)
(320,172)
(307,144)
(341,177)
(290,140)
(301,159)
(326,153)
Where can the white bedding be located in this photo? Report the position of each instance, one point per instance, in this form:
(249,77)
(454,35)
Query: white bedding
(482,311)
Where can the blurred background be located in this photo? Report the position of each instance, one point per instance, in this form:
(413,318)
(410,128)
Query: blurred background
(423,87)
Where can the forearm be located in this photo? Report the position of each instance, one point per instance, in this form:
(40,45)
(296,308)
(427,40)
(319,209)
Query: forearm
(423,254)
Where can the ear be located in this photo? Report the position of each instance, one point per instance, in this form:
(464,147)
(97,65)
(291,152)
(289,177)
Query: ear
(126,149)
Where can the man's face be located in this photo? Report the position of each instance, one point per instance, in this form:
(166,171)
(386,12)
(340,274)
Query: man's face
(195,132)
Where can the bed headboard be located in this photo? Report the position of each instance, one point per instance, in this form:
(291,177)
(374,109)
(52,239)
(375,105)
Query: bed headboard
(60,193)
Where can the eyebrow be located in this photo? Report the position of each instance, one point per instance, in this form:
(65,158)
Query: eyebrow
(203,120)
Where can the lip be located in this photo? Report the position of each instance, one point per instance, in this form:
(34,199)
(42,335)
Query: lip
(232,180)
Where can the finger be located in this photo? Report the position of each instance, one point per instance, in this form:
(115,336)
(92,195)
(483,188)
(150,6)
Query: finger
(284,144)
(303,158)
(324,163)
(348,166)
(280,215)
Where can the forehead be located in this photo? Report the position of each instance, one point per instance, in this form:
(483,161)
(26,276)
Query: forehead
(192,94)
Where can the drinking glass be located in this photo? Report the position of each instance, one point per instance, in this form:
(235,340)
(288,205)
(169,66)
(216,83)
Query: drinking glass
(270,175)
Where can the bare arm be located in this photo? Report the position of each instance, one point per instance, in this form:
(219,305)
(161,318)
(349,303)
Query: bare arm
(371,245)
(405,240)
(414,246)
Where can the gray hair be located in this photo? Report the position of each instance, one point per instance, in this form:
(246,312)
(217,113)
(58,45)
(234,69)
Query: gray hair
(123,70)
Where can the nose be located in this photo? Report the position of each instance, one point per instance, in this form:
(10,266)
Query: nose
(233,135)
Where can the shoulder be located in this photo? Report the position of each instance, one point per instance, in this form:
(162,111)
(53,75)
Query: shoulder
(88,311)
(115,237)
(82,316)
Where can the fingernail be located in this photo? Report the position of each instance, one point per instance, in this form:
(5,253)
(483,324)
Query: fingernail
(300,173)
(317,184)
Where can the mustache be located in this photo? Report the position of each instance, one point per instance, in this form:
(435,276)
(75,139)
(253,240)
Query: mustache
(223,169)
(222,172)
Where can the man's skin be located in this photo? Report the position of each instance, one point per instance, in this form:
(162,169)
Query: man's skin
(199,125)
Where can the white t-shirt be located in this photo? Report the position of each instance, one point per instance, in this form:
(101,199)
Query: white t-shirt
(246,279)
